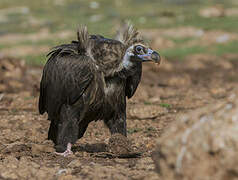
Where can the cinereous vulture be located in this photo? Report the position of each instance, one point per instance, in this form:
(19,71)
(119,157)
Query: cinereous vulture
(89,80)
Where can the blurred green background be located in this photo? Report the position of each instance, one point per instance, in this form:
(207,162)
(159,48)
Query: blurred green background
(176,28)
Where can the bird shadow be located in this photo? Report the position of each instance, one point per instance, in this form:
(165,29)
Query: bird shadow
(91,148)
(102,150)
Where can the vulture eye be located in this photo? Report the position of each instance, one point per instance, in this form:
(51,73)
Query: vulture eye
(139,49)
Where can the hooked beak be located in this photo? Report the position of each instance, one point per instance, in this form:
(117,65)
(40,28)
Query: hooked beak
(150,56)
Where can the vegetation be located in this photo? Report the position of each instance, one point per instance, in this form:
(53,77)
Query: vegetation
(165,105)
(104,17)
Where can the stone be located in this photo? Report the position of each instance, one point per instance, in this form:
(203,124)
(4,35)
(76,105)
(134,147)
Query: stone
(202,144)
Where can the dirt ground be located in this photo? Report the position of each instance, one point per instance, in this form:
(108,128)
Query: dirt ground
(175,88)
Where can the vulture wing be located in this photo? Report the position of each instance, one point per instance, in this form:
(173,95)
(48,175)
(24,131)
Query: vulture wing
(66,76)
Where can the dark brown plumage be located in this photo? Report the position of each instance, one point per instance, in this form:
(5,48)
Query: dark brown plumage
(89,80)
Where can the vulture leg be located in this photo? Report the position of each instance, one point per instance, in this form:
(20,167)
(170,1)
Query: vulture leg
(67,152)
(53,130)
(117,124)
(67,129)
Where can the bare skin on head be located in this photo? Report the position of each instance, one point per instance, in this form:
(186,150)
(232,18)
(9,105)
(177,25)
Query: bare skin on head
(89,80)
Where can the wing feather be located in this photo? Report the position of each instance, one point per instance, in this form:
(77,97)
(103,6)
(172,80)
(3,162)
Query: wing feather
(66,76)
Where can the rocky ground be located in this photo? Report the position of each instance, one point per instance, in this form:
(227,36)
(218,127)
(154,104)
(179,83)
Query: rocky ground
(193,87)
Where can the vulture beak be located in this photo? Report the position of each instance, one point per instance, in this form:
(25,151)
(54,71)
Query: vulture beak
(150,56)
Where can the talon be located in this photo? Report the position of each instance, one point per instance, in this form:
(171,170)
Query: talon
(67,151)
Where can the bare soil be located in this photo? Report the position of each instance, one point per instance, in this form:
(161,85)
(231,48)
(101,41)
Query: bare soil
(165,93)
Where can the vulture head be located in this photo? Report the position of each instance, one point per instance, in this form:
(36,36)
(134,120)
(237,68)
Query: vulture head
(136,48)
(113,55)
(141,53)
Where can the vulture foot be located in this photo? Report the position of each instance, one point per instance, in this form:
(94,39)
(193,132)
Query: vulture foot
(67,151)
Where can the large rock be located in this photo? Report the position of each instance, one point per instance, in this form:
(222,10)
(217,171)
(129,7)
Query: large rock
(201,145)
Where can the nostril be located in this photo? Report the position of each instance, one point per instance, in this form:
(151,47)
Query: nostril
(155,56)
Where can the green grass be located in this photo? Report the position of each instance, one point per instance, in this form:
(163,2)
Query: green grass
(230,47)
(149,130)
(223,23)
(133,130)
(215,49)
(165,105)
(47,42)
(36,59)
(74,12)
(180,53)
(179,41)
(147,103)
(2,46)
(154,14)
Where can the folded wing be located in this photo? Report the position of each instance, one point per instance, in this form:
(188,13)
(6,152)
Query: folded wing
(65,78)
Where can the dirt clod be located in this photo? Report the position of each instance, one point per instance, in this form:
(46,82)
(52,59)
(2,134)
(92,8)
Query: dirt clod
(38,148)
(119,144)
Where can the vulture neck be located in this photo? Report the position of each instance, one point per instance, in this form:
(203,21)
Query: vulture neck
(129,66)
(124,68)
